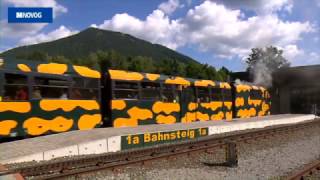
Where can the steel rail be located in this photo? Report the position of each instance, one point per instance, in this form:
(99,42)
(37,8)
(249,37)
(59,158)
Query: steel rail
(309,169)
(77,165)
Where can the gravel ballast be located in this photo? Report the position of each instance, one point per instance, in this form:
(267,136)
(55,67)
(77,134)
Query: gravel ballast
(270,158)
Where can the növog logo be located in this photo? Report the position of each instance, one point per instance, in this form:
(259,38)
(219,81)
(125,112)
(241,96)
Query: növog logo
(29,15)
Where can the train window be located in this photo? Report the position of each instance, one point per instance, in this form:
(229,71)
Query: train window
(92,83)
(150,90)
(126,85)
(216,94)
(78,82)
(255,94)
(84,88)
(15,79)
(80,93)
(50,88)
(168,94)
(15,87)
(203,94)
(126,90)
(227,96)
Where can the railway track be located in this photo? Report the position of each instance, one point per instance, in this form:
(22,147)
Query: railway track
(77,165)
(307,170)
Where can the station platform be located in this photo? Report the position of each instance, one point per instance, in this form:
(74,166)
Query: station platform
(103,140)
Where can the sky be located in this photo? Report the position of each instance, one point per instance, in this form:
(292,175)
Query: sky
(216,32)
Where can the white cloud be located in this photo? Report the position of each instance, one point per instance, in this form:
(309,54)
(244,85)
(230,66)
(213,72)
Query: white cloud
(214,28)
(61,32)
(259,6)
(169,7)
(18,30)
(156,28)
(290,52)
(223,32)
(57,8)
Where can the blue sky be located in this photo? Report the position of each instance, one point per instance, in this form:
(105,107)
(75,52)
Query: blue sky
(217,32)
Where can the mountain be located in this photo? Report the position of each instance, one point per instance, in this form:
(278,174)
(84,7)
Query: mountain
(92,40)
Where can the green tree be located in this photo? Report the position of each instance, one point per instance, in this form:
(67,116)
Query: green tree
(270,56)
(262,62)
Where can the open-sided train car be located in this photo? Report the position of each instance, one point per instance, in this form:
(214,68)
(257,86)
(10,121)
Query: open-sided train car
(142,98)
(39,98)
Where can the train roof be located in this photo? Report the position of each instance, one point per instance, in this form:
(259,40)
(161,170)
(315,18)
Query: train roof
(47,68)
(138,76)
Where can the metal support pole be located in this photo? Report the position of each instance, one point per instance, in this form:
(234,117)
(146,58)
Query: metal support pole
(231,154)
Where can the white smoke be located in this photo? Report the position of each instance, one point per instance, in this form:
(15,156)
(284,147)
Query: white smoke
(239,82)
(262,75)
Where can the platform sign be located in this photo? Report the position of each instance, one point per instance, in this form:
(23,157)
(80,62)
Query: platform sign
(155,138)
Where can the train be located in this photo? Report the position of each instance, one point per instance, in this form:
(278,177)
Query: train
(44,98)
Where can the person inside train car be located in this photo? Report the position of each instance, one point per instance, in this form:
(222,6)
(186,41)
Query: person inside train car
(76,94)
(36,94)
(64,94)
(21,94)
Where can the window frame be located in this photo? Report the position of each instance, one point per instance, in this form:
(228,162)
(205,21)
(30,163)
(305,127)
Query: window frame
(114,89)
(158,90)
(173,92)
(73,86)
(221,98)
(255,90)
(208,93)
(3,84)
(224,94)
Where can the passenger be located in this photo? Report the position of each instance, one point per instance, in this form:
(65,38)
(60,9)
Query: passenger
(21,94)
(76,94)
(64,94)
(177,99)
(164,98)
(36,94)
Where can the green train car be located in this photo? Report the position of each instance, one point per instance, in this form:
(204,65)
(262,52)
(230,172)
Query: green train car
(38,99)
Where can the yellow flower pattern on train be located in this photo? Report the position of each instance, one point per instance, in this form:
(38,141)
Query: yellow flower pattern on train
(254,102)
(135,114)
(6,126)
(152,77)
(246,113)
(192,106)
(229,115)
(177,80)
(87,121)
(24,67)
(118,104)
(37,126)
(225,85)
(204,83)
(201,116)
(213,105)
(218,116)
(18,107)
(243,88)
(239,101)
(228,104)
(124,75)
(162,119)
(68,105)
(167,108)
(87,72)
(52,68)
(189,117)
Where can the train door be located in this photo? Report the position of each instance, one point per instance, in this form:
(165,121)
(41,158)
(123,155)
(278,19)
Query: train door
(188,104)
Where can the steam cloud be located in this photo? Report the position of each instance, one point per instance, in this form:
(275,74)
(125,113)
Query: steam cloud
(262,75)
